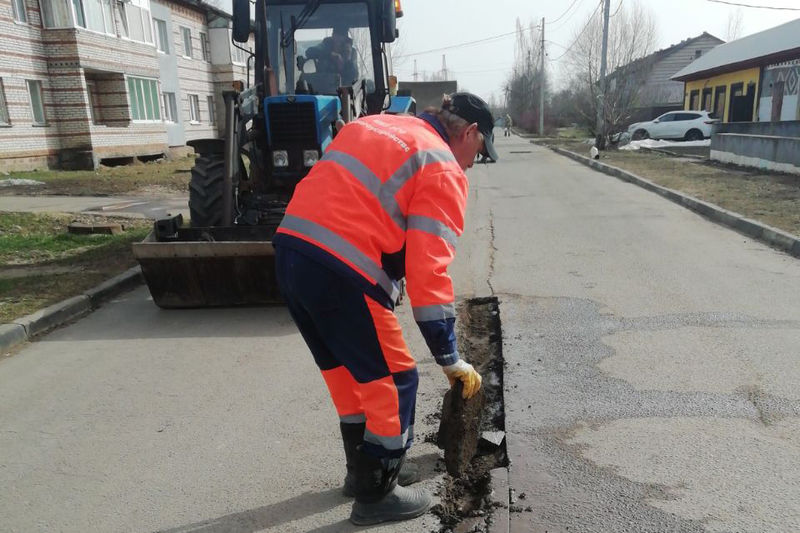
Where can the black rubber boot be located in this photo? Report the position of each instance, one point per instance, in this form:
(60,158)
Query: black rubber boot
(378,496)
(352,437)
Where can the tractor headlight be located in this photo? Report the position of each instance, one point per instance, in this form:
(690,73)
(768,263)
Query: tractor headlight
(310,157)
(280,158)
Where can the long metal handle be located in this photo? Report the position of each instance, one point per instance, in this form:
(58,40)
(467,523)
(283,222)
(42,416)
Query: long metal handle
(231,156)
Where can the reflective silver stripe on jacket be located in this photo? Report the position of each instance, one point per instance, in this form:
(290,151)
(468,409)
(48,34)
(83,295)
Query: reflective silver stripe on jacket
(355,167)
(353,419)
(401,176)
(385,192)
(342,247)
(434,227)
(390,443)
(427,313)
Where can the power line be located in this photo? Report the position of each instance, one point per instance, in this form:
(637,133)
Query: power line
(561,16)
(468,43)
(577,37)
(754,6)
(565,21)
(618,8)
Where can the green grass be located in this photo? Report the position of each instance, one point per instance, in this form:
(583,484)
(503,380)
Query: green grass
(40,247)
(170,175)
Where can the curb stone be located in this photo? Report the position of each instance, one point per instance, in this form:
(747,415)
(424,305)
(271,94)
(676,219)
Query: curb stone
(781,240)
(501,521)
(56,315)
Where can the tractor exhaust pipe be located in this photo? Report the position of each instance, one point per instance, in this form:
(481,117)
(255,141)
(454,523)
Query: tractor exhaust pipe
(231,155)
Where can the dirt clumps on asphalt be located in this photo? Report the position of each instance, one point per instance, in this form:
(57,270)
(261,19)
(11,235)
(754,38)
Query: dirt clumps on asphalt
(466,500)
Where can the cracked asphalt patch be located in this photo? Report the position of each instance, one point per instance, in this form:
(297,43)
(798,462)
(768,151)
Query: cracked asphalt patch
(590,402)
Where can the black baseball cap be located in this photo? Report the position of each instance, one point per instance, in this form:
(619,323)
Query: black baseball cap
(474,110)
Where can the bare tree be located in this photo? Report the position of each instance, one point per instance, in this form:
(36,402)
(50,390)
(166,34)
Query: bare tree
(632,36)
(735,25)
(527,78)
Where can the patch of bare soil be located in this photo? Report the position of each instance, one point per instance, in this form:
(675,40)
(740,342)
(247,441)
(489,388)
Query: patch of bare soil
(466,503)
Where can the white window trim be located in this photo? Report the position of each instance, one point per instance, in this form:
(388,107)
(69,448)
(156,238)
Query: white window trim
(155,38)
(27,21)
(195,120)
(149,16)
(5,102)
(41,99)
(158,91)
(183,42)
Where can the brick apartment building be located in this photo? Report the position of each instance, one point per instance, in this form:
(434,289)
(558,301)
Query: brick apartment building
(87,80)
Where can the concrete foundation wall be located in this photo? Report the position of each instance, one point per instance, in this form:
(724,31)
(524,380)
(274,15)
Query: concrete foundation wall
(767,152)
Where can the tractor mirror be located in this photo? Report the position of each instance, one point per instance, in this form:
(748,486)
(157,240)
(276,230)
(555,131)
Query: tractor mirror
(389,21)
(241,20)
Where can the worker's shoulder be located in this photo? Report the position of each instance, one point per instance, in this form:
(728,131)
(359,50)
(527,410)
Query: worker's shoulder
(414,132)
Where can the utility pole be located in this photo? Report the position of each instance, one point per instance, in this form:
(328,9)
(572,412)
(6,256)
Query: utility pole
(541,89)
(416,73)
(601,101)
(444,67)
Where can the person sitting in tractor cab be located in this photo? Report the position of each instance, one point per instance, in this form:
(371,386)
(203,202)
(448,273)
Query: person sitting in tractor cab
(336,55)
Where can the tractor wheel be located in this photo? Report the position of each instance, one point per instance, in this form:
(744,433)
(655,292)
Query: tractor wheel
(205,190)
(694,135)
(640,135)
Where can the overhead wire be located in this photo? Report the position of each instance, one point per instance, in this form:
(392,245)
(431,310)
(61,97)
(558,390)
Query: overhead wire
(618,8)
(588,23)
(752,6)
(468,43)
(561,16)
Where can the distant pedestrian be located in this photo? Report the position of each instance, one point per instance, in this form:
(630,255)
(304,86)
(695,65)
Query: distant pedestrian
(508,124)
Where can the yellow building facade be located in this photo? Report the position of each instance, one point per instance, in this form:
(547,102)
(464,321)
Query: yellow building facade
(732,96)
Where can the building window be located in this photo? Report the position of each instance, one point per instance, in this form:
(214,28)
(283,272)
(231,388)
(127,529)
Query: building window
(56,13)
(694,100)
(161,36)
(37,104)
(204,46)
(136,23)
(212,112)
(719,102)
(187,42)
(94,15)
(170,107)
(5,120)
(95,109)
(238,55)
(143,95)
(20,10)
(697,54)
(194,108)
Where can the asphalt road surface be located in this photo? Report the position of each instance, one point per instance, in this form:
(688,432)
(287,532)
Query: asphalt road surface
(651,380)
(651,357)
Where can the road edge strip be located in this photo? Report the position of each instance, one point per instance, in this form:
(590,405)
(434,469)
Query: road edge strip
(45,320)
(774,237)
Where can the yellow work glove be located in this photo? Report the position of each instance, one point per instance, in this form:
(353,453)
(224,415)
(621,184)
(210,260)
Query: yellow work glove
(463,371)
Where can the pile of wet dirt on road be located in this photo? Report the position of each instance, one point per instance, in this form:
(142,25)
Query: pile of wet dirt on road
(466,502)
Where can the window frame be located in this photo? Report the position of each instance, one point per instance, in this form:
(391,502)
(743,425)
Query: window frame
(147,25)
(194,110)
(4,107)
(20,17)
(212,109)
(170,104)
(186,33)
(205,47)
(157,37)
(38,85)
(141,99)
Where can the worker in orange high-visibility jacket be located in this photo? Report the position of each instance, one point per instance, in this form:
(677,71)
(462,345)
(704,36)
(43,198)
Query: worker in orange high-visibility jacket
(386,201)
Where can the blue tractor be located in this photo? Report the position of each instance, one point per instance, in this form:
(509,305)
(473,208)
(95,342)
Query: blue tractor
(317,64)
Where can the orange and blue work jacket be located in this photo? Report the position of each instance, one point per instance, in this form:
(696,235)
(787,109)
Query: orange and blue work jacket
(387,201)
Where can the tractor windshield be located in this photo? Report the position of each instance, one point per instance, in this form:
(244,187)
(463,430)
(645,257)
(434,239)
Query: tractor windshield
(332,49)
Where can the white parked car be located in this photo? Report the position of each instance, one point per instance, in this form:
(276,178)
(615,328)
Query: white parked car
(686,125)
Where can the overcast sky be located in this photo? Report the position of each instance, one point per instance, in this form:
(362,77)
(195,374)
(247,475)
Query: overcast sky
(482,68)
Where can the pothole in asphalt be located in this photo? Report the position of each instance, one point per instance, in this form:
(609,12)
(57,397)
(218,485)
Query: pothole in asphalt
(466,500)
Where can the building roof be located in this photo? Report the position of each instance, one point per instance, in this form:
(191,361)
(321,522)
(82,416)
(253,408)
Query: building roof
(769,46)
(658,54)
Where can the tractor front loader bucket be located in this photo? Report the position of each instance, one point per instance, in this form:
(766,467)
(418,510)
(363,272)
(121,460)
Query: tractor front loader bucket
(209,267)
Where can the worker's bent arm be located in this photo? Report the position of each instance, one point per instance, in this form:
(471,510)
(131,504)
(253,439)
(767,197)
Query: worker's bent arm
(435,220)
